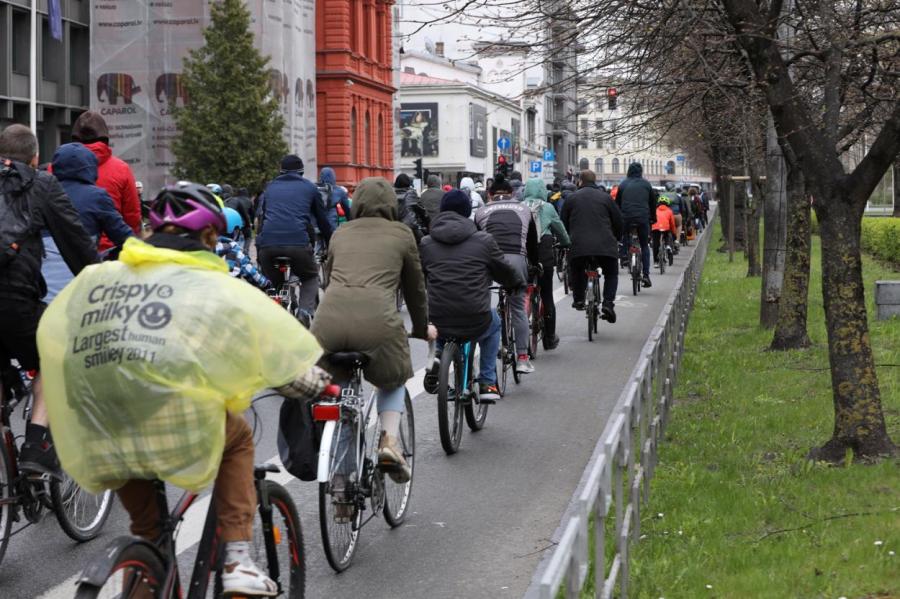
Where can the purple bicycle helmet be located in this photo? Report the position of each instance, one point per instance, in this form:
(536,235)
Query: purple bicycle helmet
(186,205)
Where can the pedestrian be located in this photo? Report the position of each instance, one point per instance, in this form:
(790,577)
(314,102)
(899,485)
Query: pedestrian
(113,174)
(431,197)
(637,201)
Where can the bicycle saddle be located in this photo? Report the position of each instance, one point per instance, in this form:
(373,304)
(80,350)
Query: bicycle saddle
(348,359)
(281,261)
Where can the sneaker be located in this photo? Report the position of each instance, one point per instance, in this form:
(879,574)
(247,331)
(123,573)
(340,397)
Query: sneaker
(245,579)
(488,393)
(552,343)
(39,457)
(608,313)
(645,282)
(432,374)
(578,306)
(524,365)
(391,460)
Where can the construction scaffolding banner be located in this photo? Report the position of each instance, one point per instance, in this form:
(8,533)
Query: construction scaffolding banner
(137,52)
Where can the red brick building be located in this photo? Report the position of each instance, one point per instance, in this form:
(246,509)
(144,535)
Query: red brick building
(354,80)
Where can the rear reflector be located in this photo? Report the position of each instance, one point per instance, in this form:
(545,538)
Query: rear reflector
(331,391)
(326,411)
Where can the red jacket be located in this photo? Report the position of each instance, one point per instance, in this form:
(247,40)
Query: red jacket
(116,178)
(665,220)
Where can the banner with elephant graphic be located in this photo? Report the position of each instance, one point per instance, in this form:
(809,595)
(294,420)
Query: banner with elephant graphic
(137,49)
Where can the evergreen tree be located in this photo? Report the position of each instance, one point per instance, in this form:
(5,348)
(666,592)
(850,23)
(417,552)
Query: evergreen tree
(230,131)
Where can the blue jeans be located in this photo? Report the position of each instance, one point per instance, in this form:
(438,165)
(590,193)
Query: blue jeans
(391,400)
(643,229)
(489,342)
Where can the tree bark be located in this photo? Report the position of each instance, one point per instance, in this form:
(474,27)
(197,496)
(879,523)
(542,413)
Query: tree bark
(897,187)
(751,226)
(739,203)
(790,329)
(859,421)
(774,225)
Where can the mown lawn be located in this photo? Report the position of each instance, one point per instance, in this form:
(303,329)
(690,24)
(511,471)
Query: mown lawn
(735,509)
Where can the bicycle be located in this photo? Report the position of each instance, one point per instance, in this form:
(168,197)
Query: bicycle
(561,259)
(664,255)
(635,260)
(80,514)
(534,310)
(288,293)
(507,357)
(135,567)
(348,472)
(592,300)
(458,393)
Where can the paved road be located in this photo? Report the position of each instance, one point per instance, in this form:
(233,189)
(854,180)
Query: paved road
(480,520)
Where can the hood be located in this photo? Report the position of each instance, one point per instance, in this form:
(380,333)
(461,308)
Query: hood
(515,184)
(568,186)
(635,170)
(374,196)
(402,181)
(451,228)
(467,183)
(535,189)
(100,150)
(90,127)
(327,176)
(74,162)
(15,176)
(170,249)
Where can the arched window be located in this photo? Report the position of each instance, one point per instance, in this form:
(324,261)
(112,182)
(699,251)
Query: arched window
(598,167)
(368,139)
(615,165)
(584,164)
(354,140)
(380,141)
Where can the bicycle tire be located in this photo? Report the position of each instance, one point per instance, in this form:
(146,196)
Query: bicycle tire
(450,426)
(6,508)
(635,274)
(503,355)
(536,323)
(339,557)
(476,412)
(512,353)
(137,565)
(589,308)
(662,264)
(285,524)
(65,493)
(596,306)
(396,494)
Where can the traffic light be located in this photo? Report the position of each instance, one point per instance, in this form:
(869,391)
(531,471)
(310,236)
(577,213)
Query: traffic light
(419,172)
(502,166)
(612,95)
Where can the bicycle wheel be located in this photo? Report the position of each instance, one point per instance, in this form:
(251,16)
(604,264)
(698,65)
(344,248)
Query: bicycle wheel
(138,572)
(287,535)
(635,274)
(396,495)
(450,391)
(589,308)
(80,514)
(511,350)
(6,507)
(476,412)
(339,515)
(596,306)
(670,255)
(536,322)
(662,263)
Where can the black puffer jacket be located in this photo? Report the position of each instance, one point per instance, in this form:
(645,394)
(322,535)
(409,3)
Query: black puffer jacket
(460,263)
(594,223)
(409,209)
(636,197)
(36,201)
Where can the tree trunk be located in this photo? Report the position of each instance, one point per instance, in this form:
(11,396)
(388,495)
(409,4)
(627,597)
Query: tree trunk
(751,225)
(790,330)
(739,203)
(858,417)
(897,187)
(774,225)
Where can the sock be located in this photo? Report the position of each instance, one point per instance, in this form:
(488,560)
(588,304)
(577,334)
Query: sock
(390,423)
(35,433)
(523,356)
(237,551)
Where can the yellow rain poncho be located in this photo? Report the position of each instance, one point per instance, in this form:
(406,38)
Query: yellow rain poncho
(142,357)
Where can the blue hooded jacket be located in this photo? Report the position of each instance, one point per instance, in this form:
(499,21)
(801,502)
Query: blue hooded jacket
(338,196)
(288,209)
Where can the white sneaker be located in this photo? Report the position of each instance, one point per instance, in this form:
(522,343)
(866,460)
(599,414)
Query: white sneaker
(524,366)
(246,580)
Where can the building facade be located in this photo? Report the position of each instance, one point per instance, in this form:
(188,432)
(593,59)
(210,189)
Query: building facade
(355,88)
(63,90)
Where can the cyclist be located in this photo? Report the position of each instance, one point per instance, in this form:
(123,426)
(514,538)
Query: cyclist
(31,201)
(511,225)
(460,262)
(240,201)
(286,211)
(334,198)
(549,227)
(665,223)
(239,263)
(209,363)
(368,259)
(409,208)
(595,224)
(637,201)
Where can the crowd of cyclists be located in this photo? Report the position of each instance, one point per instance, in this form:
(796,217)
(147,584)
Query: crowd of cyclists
(83,225)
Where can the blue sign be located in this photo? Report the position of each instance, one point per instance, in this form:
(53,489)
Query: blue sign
(535,166)
(549,155)
(679,158)
(503,144)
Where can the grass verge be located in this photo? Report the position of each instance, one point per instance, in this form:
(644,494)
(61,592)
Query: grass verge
(735,509)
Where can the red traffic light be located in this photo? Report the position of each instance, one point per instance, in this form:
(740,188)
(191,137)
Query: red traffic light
(501,159)
(611,92)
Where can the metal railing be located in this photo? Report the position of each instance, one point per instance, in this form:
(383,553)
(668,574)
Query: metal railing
(617,478)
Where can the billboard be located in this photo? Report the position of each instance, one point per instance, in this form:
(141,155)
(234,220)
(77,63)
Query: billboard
(477,131)
(419,130)
(137,48)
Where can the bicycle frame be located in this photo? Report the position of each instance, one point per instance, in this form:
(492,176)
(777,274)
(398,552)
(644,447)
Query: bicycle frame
(354,408)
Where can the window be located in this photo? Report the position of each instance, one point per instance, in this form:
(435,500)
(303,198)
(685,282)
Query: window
(380,140)
(353,137)
(368,139)
(21,42)
(583,164)
(584,126)
(530,115)
(615,165)
(439,48)
(598,167)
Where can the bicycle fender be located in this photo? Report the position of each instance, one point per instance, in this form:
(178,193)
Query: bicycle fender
(98,570)
(325,451)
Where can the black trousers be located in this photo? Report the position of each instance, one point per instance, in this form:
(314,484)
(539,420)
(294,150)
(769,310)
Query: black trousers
(577,274)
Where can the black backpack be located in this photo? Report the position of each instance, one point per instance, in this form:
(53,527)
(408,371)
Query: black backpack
(298,439)
(325,195)
(15,225)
